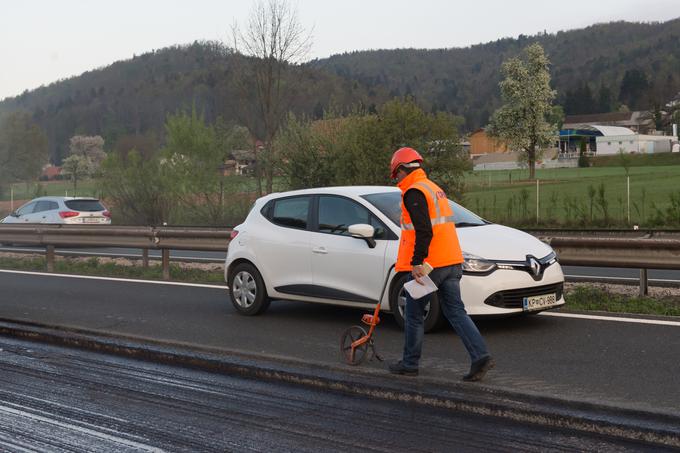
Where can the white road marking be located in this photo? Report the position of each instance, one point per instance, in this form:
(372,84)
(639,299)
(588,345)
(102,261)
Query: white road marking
(658,322)
(200,285)
(114,279)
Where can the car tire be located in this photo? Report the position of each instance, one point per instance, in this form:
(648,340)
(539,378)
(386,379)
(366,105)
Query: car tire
(433,317)
(247,291)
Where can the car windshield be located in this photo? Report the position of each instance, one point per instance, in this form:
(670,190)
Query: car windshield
(85,205)
(389,203)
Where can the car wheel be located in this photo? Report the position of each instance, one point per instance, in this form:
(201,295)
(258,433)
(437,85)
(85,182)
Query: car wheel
(433,316)
(247,290)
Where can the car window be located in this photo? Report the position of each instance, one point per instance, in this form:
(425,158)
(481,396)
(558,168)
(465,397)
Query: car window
(381,231)
(85,205)
(389,203)
(463,217)
(28,209)
(336,214)
(291,212)
(44,205)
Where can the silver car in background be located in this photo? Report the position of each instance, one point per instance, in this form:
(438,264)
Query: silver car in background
(63,210)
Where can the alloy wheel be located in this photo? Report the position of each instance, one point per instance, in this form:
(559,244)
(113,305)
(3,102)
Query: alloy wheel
(244,289)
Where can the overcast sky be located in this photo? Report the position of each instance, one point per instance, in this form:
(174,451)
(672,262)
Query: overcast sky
(42,41)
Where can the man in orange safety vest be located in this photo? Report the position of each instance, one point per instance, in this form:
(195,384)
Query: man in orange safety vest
(429,242)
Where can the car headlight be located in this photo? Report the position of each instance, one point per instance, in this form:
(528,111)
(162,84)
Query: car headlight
(551,259)
(476,264)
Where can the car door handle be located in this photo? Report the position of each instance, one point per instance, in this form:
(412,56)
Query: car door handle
(320,250)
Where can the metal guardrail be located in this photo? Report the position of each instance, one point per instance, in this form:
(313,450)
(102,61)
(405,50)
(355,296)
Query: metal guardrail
(649,249)
(621,252)
(144,238)
(617,252)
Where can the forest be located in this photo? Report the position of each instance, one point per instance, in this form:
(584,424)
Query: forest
(604,67)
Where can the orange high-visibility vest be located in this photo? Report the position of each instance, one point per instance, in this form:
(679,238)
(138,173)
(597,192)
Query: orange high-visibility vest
(444,249)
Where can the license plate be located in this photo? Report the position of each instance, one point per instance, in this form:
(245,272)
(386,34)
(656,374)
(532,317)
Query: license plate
(91,219)
(539,302)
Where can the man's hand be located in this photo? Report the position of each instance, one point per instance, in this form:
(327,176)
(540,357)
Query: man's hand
(418,273)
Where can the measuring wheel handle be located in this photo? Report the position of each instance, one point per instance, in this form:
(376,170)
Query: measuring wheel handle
(371,320)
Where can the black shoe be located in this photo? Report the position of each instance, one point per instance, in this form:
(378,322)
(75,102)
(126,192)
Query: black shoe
(479,368)
(399,368)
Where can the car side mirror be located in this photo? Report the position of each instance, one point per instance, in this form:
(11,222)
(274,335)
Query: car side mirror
(363,231)
(13,214)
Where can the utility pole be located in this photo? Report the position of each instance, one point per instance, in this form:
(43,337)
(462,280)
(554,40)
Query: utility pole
(538,197)
(628,195)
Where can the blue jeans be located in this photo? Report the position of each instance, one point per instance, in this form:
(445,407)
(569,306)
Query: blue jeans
(447,280)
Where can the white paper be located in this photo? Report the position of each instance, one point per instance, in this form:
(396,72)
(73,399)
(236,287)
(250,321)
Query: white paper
(416,290)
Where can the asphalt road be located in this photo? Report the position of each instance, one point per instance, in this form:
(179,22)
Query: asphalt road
(61,400)
(668,276)
(623,363)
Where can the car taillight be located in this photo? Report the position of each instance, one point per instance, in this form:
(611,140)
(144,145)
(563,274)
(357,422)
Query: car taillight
(67,214)
(106,214)
(233,234)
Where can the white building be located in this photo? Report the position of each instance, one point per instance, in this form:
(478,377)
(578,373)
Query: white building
(634,143)
(604,140)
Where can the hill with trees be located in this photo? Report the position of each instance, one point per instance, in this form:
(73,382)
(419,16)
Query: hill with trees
(128,102)
(600,68)
(595,69)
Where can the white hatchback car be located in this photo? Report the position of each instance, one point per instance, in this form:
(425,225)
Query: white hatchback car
(338,246)
(65,210)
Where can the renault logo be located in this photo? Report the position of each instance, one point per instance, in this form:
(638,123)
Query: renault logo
(534,265)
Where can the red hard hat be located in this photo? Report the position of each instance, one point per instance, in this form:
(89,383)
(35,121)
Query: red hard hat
(404,156)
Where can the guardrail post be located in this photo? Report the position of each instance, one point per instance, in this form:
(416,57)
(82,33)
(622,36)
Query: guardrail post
(145,258)
(50,258)
(644,290)
(166,263)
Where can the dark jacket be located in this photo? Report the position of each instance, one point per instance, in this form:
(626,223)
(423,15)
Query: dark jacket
(416,205)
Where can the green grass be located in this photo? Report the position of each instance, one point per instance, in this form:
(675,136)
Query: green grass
(651,188)
(93,266)
(589,298)
(508,197)
(23,191)
(600,167)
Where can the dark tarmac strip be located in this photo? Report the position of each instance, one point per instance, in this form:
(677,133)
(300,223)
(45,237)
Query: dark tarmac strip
(55,399)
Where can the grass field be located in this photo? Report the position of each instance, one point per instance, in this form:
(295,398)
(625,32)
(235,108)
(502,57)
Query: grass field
(570,197)
(23,191)
(595,196)
(589,298)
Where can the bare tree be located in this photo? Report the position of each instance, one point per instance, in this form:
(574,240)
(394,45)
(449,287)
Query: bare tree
(273,40)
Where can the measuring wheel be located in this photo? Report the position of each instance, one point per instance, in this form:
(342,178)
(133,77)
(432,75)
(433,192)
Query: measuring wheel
(360,352)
